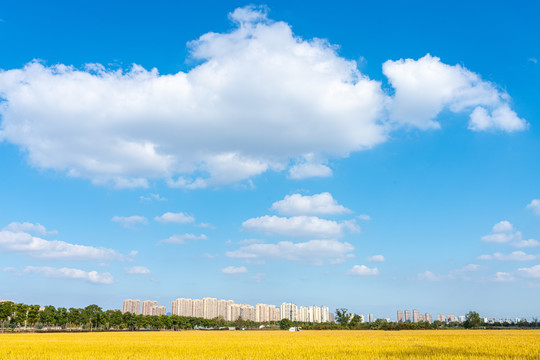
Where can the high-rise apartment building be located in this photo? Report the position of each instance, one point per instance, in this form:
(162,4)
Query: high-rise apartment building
(370,318)
(233,312)
(428,318)
(399,316)
(158,310)
(210,308)
(131,306)
(441,317)
(289,311)
(415,316)
(407,316)
(147,306)
(198,308)
(222,308)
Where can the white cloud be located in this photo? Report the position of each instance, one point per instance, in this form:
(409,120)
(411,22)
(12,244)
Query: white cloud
(315,252)
(503,277)
(129,221)
(318,204)
(233,270)
(533,271)
(138,270)
(364,217)
(461,273)
(151,197)
(425,87)
(428,276)
(260,99)
(525,243)
(36,229)
(69,273)
(181,239)
(534,205)
(309,170)
(19,242)
(300,226)
(376,258)
(514,256)
(170,217)
(363,270)
(504,232)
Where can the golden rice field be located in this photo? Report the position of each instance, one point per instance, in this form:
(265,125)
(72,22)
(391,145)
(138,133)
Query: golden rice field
(458,344)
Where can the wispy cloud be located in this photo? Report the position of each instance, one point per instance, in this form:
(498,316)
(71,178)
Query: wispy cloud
(234,270)
(24,243)
(314,252)
(181,239)
(129,221)
(69,273)
(138,270)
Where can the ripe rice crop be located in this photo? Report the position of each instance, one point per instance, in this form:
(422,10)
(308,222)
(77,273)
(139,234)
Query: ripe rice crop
(430,344)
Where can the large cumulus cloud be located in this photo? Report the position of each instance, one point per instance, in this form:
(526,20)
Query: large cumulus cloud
(261,99)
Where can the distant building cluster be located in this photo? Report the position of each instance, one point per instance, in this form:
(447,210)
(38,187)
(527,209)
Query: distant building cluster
(415,316)
(211,308)
(149,307)
(313,314)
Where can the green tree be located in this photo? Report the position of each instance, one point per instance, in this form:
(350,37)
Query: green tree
(33,314)
(93,315)
(285,324)
(6,310)
(472,320)
(342,317)
(74,317)
(20,314)
(61,317)
(48,315)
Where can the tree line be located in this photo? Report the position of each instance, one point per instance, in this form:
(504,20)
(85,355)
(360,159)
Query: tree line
(18,317)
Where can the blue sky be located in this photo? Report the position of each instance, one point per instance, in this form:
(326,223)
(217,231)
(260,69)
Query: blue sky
(373,157)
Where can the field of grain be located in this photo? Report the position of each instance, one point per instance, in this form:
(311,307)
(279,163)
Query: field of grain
(459,344)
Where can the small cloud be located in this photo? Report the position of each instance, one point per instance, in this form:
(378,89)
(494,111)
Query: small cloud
(462,273)
(309,170)
(428,276)
(129,221)
(376,258)
(363,270)
(533,60)
(364,217)
(503,277)
(150,197)
(138,270)
(318,204)
(250,241)
(534,205)
(259,277)
(181,239)
(209,256)
(206,225)
(179,218)
(533,271)
(233,270)
(27,227)
(504,232)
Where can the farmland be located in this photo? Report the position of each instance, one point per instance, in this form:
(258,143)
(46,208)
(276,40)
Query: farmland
(430,344)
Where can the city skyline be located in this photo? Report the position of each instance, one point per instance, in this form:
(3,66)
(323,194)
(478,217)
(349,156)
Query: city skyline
(272,152)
